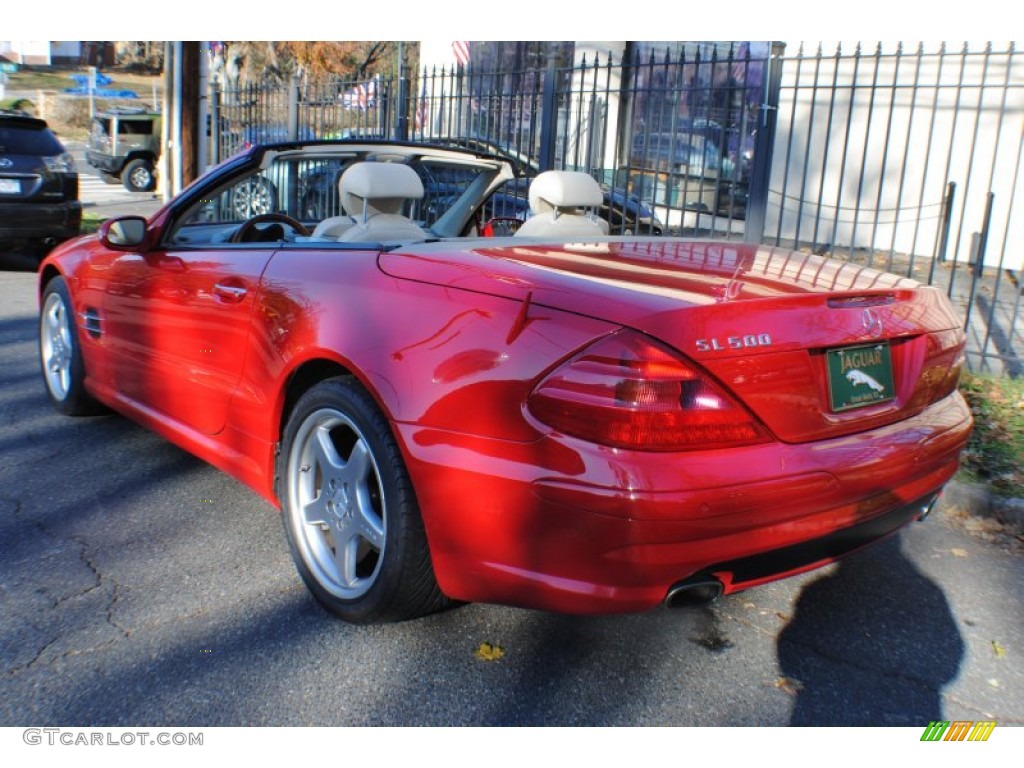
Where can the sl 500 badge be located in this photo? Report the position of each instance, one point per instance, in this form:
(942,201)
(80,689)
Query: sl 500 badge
(734,342)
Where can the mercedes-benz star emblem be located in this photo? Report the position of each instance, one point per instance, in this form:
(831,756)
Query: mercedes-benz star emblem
(5,163)
(872,323)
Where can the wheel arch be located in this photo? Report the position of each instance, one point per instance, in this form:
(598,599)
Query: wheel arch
(139,155)
(48,273)
(306,374)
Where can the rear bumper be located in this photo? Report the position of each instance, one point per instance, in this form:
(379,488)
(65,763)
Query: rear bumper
(34,221)
(567,526)
(105,163)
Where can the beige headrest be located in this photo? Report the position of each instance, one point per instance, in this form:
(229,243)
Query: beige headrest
(564,189)
(384,187)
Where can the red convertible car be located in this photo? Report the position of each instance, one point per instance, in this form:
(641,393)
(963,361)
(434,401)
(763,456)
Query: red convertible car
(556,419)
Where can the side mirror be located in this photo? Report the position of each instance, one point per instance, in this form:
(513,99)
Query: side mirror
(123,233)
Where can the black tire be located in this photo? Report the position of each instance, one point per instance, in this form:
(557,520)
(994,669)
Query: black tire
(60,353)
(137,176)
(349,509)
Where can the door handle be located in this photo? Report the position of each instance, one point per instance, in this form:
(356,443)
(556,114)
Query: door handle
(231,293)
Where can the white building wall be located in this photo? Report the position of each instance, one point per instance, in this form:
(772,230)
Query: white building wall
(935,133)
(66,49)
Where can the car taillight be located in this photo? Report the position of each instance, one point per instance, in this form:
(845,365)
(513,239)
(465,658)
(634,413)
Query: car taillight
(63,163)
(628,391)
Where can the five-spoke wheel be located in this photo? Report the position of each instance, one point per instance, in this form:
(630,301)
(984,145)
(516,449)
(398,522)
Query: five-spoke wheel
(334,484)
(59,352)
(350,513)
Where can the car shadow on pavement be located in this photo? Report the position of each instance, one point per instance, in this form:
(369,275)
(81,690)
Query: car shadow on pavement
(871,644)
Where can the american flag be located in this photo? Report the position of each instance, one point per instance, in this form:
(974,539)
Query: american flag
(362,96)
(461,50)
(419,123)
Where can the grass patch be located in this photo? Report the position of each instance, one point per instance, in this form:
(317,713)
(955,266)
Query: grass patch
(19,103)
(91,222)
(39,79)
(59,78)
(995,453)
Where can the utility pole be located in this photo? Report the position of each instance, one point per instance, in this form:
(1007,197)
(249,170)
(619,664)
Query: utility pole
(180,161)
(190,52)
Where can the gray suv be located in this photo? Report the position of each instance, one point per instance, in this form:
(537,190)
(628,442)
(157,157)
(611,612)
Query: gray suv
(124,145)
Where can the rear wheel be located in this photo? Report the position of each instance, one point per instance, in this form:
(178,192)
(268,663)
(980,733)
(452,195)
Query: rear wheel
(61,355)
(138,176)
(350,513)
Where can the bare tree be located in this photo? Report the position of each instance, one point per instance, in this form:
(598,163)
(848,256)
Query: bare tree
(259,61)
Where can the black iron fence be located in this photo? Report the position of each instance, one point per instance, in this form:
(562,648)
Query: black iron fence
(908,160)
(677,130)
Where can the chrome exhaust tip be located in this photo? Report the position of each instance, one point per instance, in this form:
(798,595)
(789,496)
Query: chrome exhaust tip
(927,507)
(701,591)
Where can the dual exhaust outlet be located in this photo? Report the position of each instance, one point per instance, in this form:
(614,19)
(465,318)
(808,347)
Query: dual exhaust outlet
(692,592)
(704,590)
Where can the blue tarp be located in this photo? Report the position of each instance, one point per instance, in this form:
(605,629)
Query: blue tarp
(110,93)
(82,89)
(83,80)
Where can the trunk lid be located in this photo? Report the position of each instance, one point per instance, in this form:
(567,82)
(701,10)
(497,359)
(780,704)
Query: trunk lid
(766,322)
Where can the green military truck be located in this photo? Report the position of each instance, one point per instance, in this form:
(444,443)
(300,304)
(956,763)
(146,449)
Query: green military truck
(124,145)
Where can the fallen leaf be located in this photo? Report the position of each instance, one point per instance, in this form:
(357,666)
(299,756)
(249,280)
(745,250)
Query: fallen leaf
(789,685)
(489,652)
(999,650)
(957,552)
(993,682)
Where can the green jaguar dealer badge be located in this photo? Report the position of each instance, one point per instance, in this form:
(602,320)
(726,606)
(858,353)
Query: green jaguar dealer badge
(859,376)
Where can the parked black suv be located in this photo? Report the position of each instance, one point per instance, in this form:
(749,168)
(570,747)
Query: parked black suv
(39,204)
(124,145)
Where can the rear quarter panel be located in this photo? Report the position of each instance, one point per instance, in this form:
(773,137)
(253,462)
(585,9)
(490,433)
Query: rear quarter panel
(430,355)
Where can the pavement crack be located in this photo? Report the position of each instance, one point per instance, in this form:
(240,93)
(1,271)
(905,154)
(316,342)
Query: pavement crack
(83,555)
(31,662)
(99,582)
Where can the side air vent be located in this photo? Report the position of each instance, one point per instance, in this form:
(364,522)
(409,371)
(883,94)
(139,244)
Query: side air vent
(91,323)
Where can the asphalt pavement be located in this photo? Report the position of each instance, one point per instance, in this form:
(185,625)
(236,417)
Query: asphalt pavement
(140,586)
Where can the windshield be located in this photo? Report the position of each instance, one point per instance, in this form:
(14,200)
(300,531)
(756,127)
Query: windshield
(306,187)
(29,140)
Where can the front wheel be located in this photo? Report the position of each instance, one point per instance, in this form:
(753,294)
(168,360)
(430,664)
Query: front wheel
(61,354)
(350,513)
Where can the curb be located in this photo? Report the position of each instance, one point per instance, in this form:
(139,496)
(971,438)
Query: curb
(979,501)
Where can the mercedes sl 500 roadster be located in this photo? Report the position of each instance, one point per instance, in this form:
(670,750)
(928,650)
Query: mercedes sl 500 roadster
(553,417)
